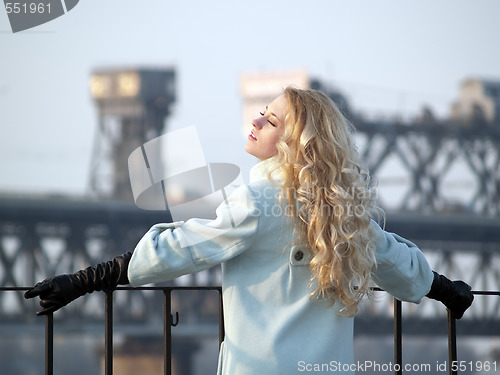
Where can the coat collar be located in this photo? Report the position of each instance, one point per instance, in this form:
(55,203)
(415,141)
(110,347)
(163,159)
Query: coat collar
(259,171)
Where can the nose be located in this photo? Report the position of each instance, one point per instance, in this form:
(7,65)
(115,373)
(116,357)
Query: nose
(258,122)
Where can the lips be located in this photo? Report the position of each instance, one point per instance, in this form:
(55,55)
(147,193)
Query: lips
(251,136)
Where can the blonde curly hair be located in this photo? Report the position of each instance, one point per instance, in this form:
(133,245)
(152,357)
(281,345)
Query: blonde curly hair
(334,201)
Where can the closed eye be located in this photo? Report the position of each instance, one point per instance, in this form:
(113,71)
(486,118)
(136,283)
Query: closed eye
(269,121)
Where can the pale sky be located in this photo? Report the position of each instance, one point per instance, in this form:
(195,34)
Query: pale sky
(388,57)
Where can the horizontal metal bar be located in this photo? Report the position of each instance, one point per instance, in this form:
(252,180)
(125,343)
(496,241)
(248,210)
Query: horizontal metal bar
(25,288)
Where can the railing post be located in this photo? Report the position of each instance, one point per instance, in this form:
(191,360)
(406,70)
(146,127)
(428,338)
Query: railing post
(221,318)
(108,334)
(452,343)
(167,331)
(49,344)
(398,341)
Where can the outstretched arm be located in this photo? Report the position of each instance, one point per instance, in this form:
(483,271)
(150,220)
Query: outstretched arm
(56,292)
(403,271)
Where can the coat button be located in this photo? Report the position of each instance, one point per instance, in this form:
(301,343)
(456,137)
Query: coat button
(299,255)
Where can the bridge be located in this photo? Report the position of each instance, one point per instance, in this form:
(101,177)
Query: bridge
(428,152)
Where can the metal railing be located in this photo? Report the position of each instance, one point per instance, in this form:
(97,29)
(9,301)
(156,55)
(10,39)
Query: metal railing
(170,321)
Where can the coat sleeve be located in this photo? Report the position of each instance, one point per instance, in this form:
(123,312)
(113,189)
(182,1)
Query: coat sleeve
(402,269)
(168,251)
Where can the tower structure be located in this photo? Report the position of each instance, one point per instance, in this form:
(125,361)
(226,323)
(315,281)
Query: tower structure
(132,106)
(479,102)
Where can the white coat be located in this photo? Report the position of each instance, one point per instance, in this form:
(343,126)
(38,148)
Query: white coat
(271,325)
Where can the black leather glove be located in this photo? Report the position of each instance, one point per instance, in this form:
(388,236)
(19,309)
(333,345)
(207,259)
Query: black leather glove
(56,292)
(455,295)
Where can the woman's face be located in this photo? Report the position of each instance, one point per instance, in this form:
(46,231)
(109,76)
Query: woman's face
(267,129)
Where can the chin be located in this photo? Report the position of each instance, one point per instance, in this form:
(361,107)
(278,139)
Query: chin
(248,149)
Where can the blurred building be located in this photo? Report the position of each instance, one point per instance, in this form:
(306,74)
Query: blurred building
(258,89)
(479,102)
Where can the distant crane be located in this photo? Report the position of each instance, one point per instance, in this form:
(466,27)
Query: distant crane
(132,106)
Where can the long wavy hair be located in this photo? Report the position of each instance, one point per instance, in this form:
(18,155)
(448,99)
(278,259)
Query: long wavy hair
(333,201)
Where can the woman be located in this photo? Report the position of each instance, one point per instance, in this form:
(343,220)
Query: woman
(297,266)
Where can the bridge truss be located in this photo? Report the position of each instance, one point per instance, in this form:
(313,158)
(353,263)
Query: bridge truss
(443,166)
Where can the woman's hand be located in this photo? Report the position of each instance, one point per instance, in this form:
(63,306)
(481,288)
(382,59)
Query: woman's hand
(455,295)
(56,292)
(60,290)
